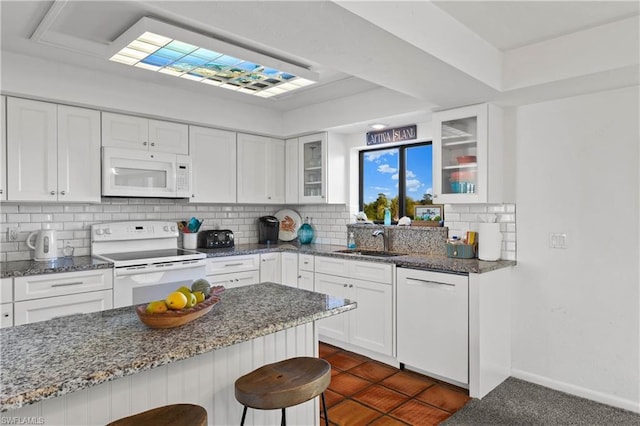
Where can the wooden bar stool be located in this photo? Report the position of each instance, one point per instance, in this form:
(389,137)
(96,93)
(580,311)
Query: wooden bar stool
(168,415)
(284,384)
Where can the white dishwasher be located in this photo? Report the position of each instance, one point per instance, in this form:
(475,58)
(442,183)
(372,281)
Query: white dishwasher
(433,323)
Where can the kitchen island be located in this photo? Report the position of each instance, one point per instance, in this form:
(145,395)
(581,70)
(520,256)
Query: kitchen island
(94,368)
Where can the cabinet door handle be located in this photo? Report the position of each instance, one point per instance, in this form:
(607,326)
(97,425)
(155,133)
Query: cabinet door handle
(345,285)
(350,285)
(144,143)
(63,193)
(1,191)
(153,144)
(67,284)
(6,315)
(52,192)
(227,265)
(428,282)
(299,276)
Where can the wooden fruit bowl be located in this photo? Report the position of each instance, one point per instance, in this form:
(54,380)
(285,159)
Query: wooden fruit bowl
(179,317)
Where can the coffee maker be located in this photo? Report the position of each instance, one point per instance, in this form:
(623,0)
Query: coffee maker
(268,228)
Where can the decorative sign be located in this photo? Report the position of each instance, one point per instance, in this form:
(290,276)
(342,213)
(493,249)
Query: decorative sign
(397,134)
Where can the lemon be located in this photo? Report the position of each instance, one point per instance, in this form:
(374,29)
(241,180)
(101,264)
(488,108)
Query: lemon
(184,290)
(157,307)
(176,300)
(191,300)
(199,296)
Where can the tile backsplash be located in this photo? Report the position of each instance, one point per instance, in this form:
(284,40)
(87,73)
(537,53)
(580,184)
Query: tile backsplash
(460,218)
(73,221)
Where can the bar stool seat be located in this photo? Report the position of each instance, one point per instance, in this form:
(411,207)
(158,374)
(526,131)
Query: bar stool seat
(284,384)
(168,415)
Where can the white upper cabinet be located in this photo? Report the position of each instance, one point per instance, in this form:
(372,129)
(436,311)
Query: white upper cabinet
(468,156)
(213,157)
(53,152)
(316,170)
(78,154)
(292,174)
(3,150)
(260,170)
(127,131)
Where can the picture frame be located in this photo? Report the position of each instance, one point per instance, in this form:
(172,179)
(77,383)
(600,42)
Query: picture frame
(425,215)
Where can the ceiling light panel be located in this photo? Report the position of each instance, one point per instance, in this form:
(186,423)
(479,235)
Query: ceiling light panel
(157,46)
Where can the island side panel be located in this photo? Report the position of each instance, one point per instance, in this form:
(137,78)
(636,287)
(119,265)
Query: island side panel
(206,380)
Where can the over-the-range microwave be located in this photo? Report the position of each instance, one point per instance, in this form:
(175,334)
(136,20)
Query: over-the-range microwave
(135,173)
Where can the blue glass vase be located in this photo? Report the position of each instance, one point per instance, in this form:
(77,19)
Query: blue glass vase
(305,233)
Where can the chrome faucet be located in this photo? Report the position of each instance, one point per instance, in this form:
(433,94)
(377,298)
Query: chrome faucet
(384,237)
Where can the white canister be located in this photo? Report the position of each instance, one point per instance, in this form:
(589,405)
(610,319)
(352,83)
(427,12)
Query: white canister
(190,240)
(489,241)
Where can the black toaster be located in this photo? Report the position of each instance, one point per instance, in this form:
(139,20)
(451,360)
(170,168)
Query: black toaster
(215,238)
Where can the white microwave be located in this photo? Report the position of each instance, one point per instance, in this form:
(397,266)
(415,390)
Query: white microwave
(134,173)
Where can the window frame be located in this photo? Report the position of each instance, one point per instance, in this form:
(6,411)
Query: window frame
(402,175)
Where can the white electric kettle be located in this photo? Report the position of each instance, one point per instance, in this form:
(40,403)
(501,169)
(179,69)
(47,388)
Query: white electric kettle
(46,246)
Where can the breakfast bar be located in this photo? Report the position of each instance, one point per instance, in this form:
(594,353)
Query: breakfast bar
(94,368)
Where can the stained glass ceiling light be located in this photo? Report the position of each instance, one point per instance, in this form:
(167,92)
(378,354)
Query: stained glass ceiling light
(157,46)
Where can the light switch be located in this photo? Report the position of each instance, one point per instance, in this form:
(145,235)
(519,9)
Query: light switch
(558,240)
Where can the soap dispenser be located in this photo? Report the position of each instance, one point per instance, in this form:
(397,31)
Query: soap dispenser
(351,241)
(387,216)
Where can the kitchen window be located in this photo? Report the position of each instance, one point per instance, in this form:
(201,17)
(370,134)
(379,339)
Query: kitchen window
(400,178)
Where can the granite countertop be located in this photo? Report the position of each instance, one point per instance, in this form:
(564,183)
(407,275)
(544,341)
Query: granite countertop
(20,268)
(51,358)
(414,260)
(418,261)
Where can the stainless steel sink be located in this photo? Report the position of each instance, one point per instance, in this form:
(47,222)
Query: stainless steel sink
(369,253)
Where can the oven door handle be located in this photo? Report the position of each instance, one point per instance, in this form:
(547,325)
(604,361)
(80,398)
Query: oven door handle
(160,267)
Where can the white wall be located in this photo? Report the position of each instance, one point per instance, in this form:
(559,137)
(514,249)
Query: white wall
(575,311)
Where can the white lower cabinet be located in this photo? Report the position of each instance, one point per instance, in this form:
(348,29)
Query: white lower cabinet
(234,271)
(6,315)
(6,302)
(370,284)
(271,268)
(53,307)
(306,272)
(47,296)
(433,323)
(289,269)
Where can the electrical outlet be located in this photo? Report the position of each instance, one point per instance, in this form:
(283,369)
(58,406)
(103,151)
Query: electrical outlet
(558,240)
(12,234)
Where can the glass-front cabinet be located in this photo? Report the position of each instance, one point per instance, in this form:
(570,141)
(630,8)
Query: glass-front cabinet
(312,151)
(466,143)
(316,169)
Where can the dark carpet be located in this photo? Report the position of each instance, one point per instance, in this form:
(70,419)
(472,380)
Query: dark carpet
(516,402)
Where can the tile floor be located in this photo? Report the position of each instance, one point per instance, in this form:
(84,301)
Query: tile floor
(366,392)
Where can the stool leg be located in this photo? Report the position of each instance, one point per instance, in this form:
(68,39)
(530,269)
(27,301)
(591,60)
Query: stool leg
(324,408)
(244,414)
(284,418)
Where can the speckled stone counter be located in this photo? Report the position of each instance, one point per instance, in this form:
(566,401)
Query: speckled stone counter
(418,261)
(22,268)
(436,262)
(52,358)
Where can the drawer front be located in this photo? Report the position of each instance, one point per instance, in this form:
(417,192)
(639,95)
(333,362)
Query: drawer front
(6,315)
(48,308)
(332,266)
(6,290)
(236,279)
(230,264)
(40,286)
(371,271)
(305,262)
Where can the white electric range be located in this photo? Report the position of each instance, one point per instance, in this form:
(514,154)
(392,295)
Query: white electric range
(148,264)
